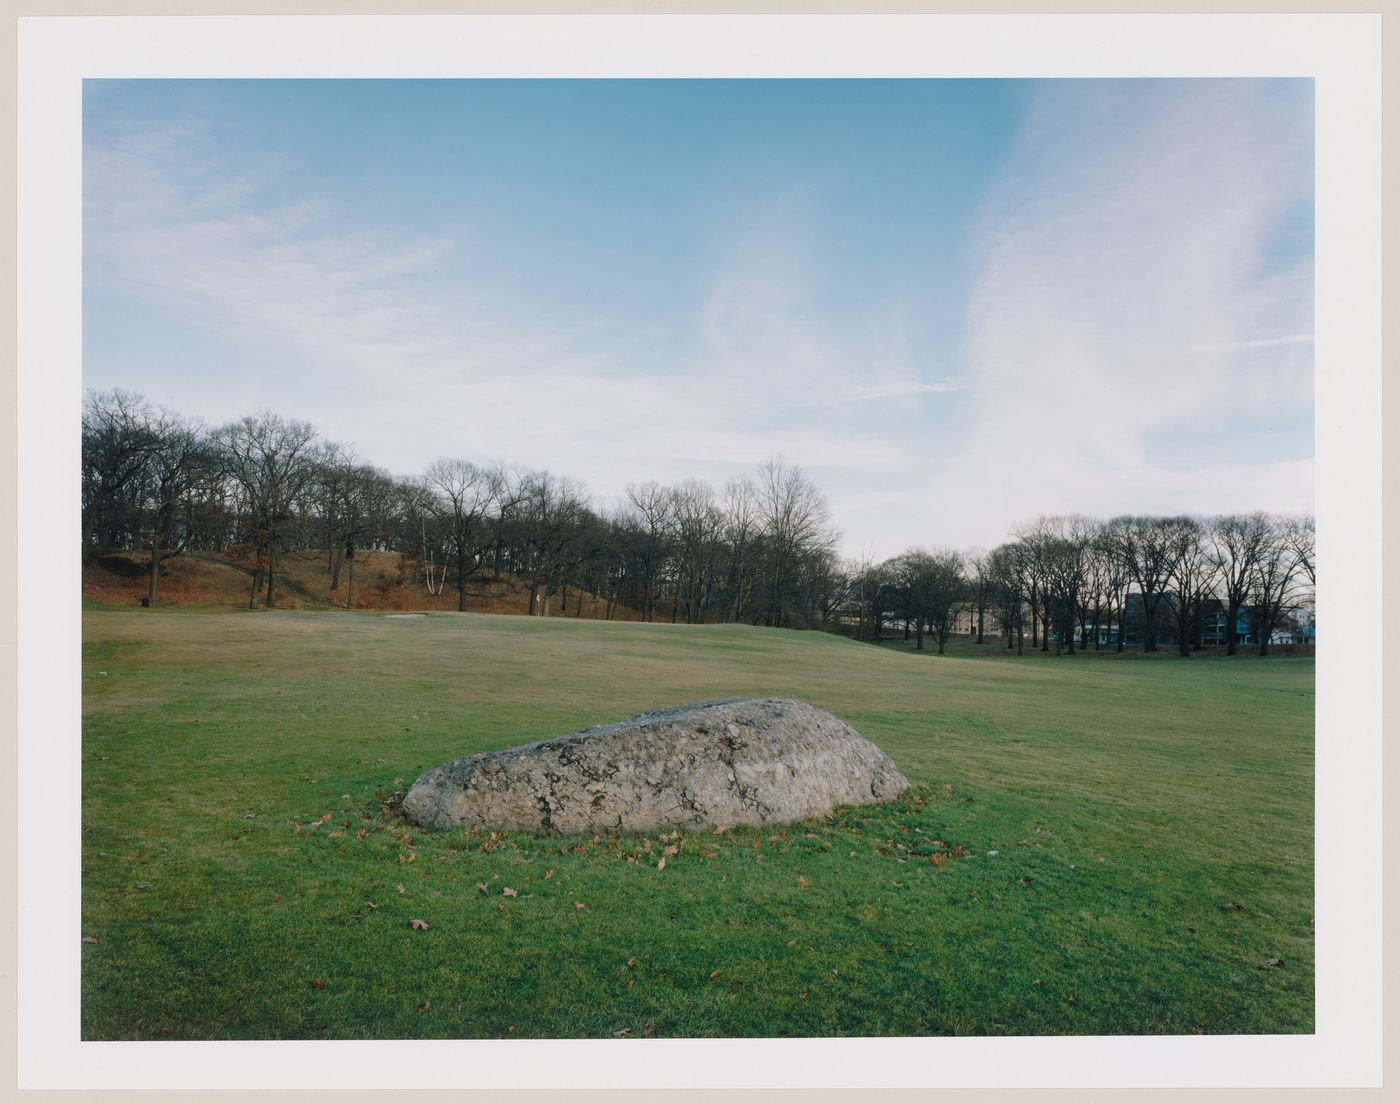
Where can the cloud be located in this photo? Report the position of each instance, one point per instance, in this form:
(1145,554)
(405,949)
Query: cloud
(904,388)
(1130,230)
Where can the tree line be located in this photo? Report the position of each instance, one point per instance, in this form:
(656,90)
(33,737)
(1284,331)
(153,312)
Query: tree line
(759,550)
(1078,582)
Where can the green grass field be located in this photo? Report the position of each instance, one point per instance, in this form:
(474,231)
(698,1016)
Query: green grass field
(1152,820)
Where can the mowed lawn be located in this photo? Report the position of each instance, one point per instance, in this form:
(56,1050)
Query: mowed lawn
(1151,817)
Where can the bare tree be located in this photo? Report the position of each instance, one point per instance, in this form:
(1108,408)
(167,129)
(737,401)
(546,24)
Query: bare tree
(1273,584)
(1062,550)
(180,470)
(553,519)
(269,459)
(930,584)
(797,534)
(117,441)
(1007,568)
(980,586)
(1194,576)
(461,496)
(741,528)
(655,511)
(699,525)
(1236,543)
(1144,545)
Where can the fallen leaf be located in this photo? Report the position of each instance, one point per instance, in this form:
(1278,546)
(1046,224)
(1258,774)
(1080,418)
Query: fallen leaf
(714,974)
(548,874)
(579,905)
(803,882)
(1273,964)
(400,888)
(661,865)
(803,996)
(1233,906)
(621,1034)
(508,892)
(316,984)
(424,1006)
(418,925)
(483,887)
(669,851)
(631,962)
(89,939)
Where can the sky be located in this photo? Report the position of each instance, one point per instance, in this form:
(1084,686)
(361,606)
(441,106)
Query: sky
(957,305)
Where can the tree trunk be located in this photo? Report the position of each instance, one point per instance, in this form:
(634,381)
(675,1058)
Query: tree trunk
(155,567)
(271,577)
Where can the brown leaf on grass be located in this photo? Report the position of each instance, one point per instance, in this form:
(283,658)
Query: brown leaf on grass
(631,962)
(1233,906)
(508,892)
(719,829)
(315,984)
(483,887)
(579,905)
(803,882)
(548,874)
(89,939)
(802,996)
(714,974)
(669,851)
(418,925)
(425,1006)
(1273,964)
(623,1033)
(400,888)
(709,854)
(661,865)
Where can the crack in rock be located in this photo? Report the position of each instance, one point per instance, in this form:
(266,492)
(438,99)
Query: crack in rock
(717,763)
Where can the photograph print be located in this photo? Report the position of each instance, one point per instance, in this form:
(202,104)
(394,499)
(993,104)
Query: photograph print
(675,558)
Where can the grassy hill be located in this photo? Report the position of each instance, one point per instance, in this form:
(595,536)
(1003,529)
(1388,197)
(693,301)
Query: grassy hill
(244,875)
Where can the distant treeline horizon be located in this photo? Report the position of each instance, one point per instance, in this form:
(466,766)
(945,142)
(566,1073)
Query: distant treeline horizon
(760,550)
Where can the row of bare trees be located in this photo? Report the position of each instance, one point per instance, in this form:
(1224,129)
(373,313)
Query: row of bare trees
(759,549)
(1078,582)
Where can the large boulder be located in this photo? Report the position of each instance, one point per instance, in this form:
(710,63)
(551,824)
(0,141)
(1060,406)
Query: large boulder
(735,761)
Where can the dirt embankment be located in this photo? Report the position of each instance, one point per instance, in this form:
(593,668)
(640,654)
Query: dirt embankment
(383,580)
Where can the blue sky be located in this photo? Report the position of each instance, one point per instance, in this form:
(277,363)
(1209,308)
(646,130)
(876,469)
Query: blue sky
(956,304)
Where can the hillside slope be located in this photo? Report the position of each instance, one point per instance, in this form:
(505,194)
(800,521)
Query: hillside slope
(383,580)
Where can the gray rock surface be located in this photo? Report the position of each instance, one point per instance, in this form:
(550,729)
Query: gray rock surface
(735,761)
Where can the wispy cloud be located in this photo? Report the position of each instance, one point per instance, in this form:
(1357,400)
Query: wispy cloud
(903,389)
(1123,230)
(403,346)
